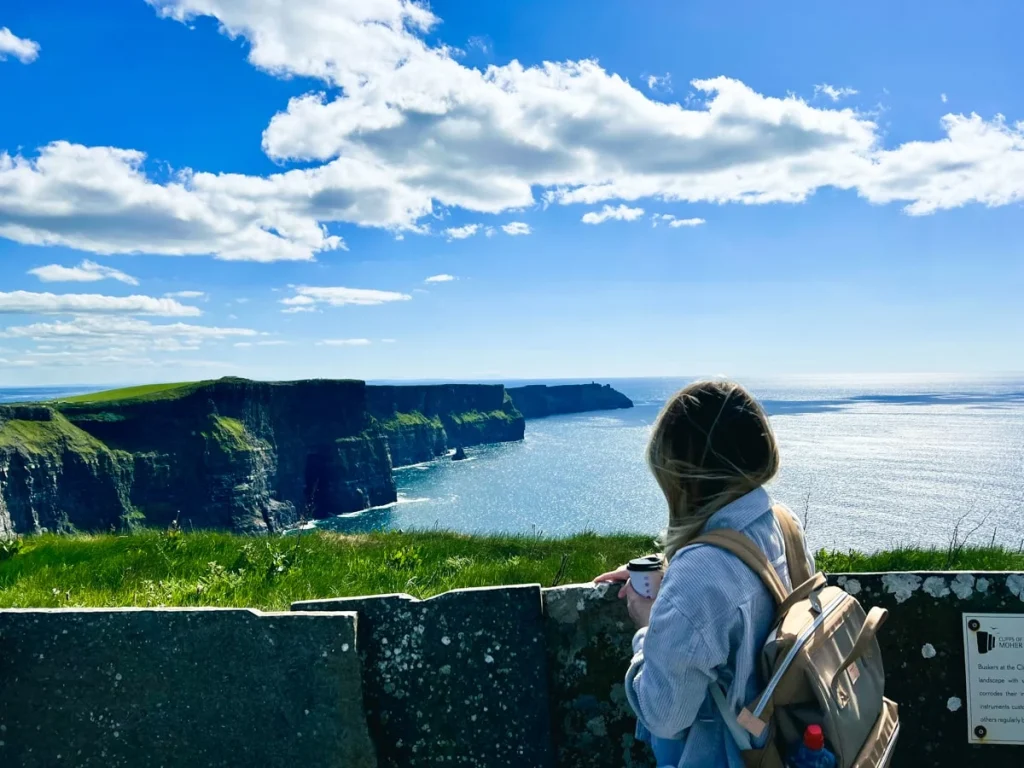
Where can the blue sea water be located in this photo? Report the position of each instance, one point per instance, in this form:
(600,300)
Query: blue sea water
(872,462)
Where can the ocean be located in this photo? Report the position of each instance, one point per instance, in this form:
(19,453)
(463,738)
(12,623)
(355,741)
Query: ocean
(870,463)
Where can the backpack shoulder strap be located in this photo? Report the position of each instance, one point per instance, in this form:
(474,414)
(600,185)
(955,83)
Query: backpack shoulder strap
(796,549)
(746,550)
(739,734)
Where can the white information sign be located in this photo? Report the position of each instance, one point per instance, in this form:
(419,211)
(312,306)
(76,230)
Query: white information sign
(994,655)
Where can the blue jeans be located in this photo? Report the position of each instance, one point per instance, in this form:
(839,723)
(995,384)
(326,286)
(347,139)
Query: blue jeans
(667,752)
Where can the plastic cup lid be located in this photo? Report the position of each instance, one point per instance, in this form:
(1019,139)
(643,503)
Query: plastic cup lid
(649,563)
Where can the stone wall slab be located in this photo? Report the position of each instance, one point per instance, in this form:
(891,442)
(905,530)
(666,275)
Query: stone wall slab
(589,642)
(180,688)
(459,679)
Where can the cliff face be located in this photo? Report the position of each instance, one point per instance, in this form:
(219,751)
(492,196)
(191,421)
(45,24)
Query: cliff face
(233,454)
(423,422)
(245,455)
(537,401)
(54,476)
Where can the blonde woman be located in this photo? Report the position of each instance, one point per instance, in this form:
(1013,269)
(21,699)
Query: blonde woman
(712,451)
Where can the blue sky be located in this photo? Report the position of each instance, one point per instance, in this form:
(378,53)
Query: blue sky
(195,188)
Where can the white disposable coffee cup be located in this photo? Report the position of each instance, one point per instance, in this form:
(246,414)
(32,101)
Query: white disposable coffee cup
(645,575)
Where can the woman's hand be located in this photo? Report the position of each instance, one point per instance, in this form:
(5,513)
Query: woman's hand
(639,607)
(620,574)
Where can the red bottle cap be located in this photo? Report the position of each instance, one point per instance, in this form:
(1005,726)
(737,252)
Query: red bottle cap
(814,739)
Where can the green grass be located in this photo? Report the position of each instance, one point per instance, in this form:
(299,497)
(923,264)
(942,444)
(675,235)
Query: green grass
(150,568)
(147,391)
(229,433)
(154,568)
(988,558)
(476,417)
(412,419)
(47,437)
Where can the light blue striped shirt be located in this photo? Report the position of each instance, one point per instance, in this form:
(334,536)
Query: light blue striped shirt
(708,624)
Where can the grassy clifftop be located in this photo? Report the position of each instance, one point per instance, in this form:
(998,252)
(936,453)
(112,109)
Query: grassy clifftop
(145,392)
(174,568)
(46,432)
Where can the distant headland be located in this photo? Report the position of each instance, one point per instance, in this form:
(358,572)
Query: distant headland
(244,455)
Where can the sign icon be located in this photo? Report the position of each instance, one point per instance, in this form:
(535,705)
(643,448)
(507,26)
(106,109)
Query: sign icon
(986,642)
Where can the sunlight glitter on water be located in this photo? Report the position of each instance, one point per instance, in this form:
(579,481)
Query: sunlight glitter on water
(872,466)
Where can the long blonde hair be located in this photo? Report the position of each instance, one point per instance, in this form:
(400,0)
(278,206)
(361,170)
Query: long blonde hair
(712,443)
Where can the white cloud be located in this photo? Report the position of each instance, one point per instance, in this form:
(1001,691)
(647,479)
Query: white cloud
(88,358)
(186,295)
(979,162)
(621,213)
(663,83)
(403,129)
(24,50)
(99,199)
(344,343)
(123,335)
(834,93)
(516,228)
(440,279)
(943,97)
(277,343)
(86,272)
(346,42)
(675,223)
(482,44)
(28,303)
(461,233)
(92,358)
(309,298)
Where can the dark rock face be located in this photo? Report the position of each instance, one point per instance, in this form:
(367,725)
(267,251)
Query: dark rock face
(537,401)
(420,423)
(231,454)
(455,680)
(52,476)
(244,455)
(180,688)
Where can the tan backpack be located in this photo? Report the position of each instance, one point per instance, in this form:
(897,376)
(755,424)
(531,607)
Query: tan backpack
(820,665)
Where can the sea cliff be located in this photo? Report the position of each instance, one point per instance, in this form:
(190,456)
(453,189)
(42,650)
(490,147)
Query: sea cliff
(423,422)
(539,400)
(244,455)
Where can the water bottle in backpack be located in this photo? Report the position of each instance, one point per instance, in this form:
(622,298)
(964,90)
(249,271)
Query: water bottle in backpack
(811,752)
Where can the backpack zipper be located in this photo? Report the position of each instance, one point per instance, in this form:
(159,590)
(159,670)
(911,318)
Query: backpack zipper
(884,762)
(801,640)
